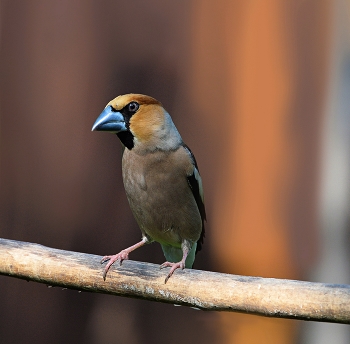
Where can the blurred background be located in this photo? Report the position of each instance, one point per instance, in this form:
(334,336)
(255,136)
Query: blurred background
(260,92)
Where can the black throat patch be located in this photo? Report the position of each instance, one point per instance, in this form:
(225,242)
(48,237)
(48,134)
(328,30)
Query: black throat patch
(127,139)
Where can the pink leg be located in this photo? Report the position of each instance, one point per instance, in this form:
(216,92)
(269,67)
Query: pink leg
(174,266)
(122,255)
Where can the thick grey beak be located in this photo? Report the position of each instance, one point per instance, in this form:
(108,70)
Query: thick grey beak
(109,120)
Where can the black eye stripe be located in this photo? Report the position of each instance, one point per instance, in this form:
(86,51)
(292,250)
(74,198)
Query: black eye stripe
(128,111)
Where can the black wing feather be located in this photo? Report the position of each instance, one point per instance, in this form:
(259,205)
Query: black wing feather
(194,185)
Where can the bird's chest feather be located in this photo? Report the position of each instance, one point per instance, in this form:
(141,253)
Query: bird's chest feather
(160,197)
(149,178)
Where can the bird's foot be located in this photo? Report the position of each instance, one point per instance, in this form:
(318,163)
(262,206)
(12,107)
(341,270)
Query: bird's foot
(119,257)
(174,266)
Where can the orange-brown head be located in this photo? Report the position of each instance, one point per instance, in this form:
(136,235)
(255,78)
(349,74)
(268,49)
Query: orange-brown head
(139,121)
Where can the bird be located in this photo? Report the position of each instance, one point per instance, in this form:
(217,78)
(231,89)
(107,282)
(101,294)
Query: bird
(161,180)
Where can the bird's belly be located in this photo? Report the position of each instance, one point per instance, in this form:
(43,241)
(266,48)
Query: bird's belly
(164,209)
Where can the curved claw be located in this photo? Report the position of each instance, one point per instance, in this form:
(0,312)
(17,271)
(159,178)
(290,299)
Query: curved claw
(174,266)
(122,255)
(119,257)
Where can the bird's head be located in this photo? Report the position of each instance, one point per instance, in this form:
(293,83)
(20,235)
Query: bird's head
(140,122)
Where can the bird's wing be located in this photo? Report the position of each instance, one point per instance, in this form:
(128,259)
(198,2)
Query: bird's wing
(195,183)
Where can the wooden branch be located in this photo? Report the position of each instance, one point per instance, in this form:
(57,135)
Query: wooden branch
(200,289)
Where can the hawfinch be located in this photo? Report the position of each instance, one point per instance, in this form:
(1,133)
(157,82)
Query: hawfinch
(161,179)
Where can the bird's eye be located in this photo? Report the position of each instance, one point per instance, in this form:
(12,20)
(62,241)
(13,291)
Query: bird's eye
(133,107)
